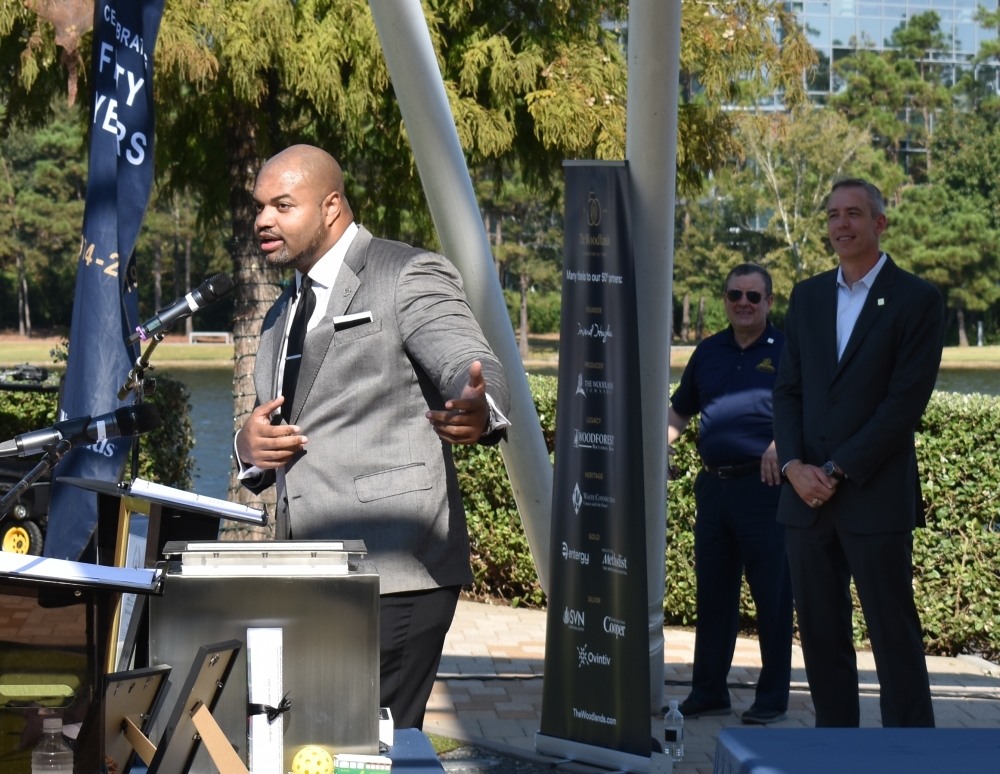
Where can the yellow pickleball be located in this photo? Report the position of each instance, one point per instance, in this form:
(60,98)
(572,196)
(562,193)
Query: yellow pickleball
(312,760)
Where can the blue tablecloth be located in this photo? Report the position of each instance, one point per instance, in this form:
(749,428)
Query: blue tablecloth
(857,751)
(413,753)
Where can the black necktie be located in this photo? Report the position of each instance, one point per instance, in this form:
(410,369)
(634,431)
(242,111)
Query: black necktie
(296,339)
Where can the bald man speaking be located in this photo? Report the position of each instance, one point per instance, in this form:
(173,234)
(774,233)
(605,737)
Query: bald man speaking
(370,367)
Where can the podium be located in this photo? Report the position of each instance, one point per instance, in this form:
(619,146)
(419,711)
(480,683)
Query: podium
(308,611)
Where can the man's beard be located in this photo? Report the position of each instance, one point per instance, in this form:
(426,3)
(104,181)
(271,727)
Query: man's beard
(283,258)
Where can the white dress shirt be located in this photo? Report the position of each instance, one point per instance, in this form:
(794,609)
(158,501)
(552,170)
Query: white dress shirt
(850,302)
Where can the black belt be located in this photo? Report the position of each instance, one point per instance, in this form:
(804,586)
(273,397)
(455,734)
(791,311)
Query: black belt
(733,471)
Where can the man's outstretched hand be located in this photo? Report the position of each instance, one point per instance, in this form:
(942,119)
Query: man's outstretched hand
(464,420)
(265,445)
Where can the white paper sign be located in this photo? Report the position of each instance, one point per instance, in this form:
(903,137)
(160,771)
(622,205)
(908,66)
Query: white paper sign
(264,660)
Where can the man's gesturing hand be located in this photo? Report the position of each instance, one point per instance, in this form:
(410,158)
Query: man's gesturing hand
(265,445)
(465,419)
(810,483)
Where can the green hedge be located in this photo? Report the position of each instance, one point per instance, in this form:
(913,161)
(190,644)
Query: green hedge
(165,453)
(956,559)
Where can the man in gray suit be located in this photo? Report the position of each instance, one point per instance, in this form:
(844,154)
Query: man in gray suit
(370,366)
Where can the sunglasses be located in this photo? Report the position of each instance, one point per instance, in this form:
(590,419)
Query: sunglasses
(735,295)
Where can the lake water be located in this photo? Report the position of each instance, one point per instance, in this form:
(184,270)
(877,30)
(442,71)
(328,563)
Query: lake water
(212,416)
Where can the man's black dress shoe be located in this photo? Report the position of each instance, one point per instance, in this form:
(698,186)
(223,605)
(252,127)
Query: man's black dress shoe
(760,716)
(691,709)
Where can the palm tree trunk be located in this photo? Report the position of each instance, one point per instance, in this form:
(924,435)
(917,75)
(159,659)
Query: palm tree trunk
(27,307)
(522,341)
(499,243)
(963,337)
(157,275)
(256,289)
(22,295)
(188,322)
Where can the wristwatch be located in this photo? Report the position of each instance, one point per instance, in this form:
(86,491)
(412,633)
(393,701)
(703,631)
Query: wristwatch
(831,469)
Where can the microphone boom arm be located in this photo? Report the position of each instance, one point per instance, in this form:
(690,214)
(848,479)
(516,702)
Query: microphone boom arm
(137,376)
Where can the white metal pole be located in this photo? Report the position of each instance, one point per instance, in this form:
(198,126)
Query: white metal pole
(430,127)
(654,37)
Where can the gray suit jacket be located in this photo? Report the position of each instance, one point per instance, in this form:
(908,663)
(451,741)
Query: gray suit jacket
(374,468)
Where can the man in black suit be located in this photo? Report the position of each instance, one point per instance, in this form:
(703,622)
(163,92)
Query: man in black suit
(862,349)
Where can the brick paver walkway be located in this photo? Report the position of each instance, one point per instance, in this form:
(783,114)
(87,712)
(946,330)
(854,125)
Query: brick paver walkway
(489,689)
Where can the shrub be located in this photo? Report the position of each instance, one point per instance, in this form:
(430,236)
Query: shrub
(164,454)
(956,558)
(502,567)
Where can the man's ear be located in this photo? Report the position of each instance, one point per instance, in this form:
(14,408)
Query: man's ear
(332,205)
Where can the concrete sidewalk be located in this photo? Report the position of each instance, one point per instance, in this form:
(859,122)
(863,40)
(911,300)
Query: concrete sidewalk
(489,687)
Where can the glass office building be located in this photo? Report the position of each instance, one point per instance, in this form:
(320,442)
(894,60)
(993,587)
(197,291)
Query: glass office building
(836,27)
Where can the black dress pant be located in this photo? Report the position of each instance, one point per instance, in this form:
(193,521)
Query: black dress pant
(736,529)
(823,558)
(412,628)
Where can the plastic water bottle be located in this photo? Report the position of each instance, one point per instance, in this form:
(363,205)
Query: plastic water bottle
(52,755)
(673,732)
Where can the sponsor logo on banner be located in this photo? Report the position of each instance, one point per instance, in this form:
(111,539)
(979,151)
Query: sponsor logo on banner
(595,331)
(589,658)
(574,619)
(589,500)
(613,562)
(587,387)
(583,439)
(593,210)
(594,717)
(614,627)
(571,554)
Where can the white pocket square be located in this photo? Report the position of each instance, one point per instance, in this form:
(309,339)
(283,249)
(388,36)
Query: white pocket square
(346,321)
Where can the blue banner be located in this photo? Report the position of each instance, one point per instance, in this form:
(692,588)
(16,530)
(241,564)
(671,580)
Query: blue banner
(105,306)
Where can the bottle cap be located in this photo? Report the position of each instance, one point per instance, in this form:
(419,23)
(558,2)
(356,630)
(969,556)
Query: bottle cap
(52,724)
(673,704)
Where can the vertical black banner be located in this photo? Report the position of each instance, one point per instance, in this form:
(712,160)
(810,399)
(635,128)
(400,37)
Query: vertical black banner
(596,656)
(105,306)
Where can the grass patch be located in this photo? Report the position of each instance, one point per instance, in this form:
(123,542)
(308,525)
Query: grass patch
(977,355)
(442,744)
(37,353)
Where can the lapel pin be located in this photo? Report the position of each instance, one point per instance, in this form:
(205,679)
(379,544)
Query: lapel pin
(770,341)
(881,302)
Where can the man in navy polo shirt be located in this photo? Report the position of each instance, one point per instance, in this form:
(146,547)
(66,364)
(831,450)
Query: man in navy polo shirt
(729,381)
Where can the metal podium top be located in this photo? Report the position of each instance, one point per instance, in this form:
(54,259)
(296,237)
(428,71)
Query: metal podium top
(218,558)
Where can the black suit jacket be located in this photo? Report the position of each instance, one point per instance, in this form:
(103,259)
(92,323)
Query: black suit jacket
(862,411)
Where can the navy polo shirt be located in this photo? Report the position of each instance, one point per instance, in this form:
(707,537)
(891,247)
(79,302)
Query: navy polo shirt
(731,388)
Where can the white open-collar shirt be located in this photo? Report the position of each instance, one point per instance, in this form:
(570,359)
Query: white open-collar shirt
(850,301)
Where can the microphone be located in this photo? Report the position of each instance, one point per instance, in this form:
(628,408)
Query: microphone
(129,420)
(208,291)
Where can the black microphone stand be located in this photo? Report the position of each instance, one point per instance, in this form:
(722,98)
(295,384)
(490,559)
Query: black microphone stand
(53,453)
(143,386)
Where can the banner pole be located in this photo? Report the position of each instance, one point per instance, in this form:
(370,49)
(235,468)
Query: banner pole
(654,37)
(430,127)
